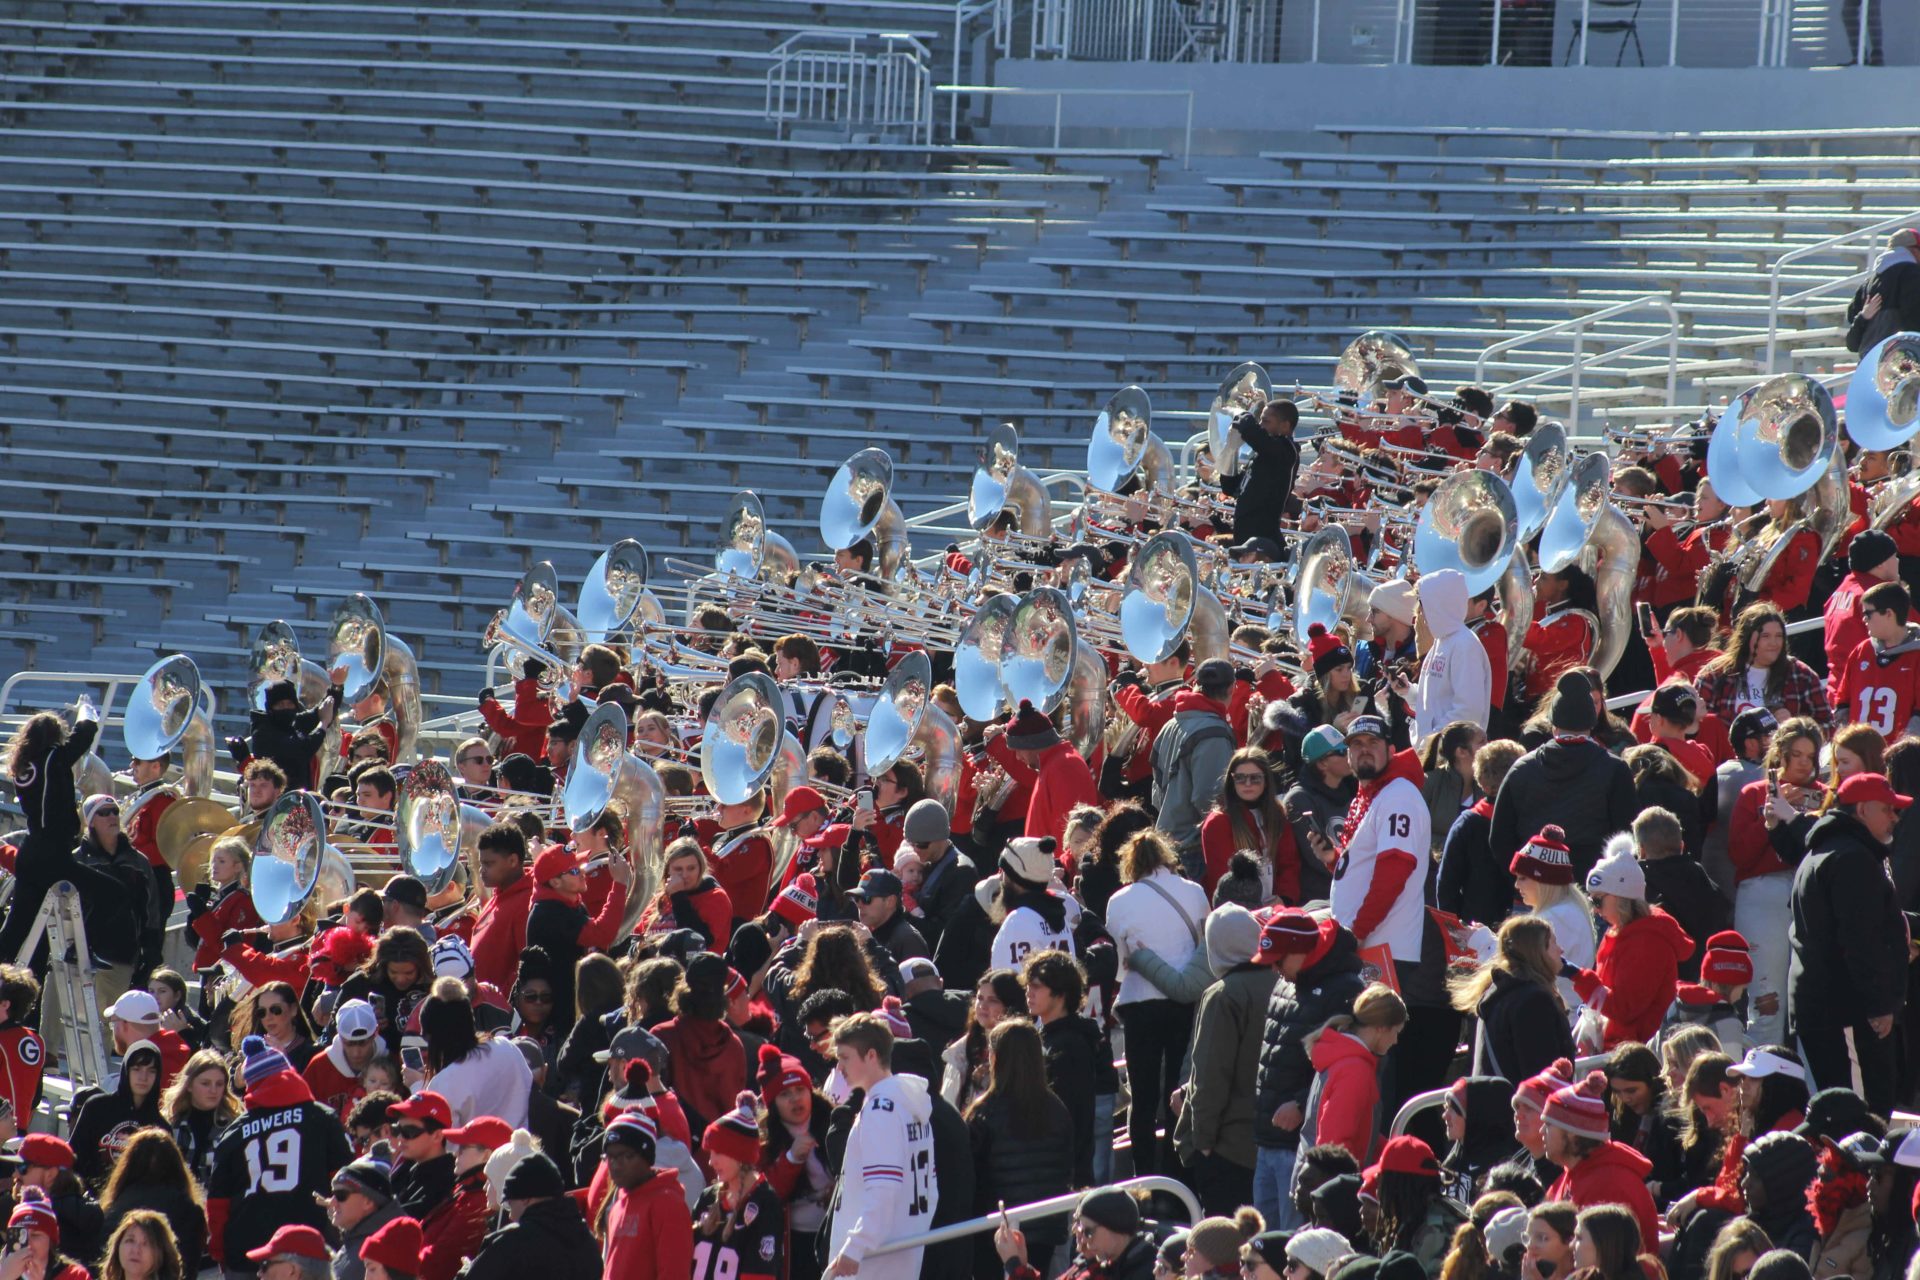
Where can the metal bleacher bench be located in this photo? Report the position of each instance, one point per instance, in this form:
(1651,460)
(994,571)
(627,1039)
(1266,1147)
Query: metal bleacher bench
(38,553)
(94,614)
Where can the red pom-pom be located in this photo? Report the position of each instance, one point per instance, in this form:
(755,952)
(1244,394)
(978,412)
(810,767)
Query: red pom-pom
(639,1073)
(1317,630)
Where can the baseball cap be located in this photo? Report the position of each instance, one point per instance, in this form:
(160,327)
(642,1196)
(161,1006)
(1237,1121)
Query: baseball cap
(135,1006)
(877,883)
(1322,741)
(630,1043)
(914,968)
(1866,788)
(356,1020)
(554,862)
(425,1105)
(407,891)
(490,1132)
(1359,725)
(1676,702)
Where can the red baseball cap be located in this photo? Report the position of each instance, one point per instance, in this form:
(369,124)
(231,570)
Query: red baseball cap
(1862,788)
(484,1131)
(45,1151)
(1406,1154)
(800,802)
(554,862)
(293,1242)
(425,1105)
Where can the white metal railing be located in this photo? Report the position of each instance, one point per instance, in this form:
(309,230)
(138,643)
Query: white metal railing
(1578,329)
(1864,241)
(1038,1209)
(958,91)
(858,81)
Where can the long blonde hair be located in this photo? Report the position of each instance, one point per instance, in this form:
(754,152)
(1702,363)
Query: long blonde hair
(1522,954)
(178,1099)
(1377,1006)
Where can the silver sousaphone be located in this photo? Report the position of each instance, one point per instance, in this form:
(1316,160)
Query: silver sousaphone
(604,772)
(1374,358)
(1123,445)
(976,659)
(1785,436)
(1159,604)
(1469,525)
(741,743)
(170,708)
(292,861)
(276,657)
(1883,396)
(743,537)
(1244,390)
(1325,581)
(1037,649)
(436,833)
(1000,484)
(1539,476)
(614,597)
(377,663)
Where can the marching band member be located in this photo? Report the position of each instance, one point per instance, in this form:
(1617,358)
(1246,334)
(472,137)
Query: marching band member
(1492,634)
(289,736)
(500,928)
(1146,699)
(895,791)
(1682,646)
(558,922)
(1517,418)
(1061,776)
(1264,488)
(1564,631)
(1790,581)
(1458,433)
(1757,671)
(739,854)
(473,772)
(1872,558)
(524,730)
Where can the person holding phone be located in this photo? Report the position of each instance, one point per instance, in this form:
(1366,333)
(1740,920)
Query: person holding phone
(33,1243)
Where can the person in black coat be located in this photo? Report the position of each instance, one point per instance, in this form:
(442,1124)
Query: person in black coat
(1473,884)
(120,926)
(965,948)
(1479,1120)
(1071,1043)
(1570,781)
(545,1236)
(41,759)
(290,737)
(1021,1136)
(1848,968)
(1264,486)
(1679,885)
(953,1157)
(950,874)
(1889,301)
(1522,1023)
(152,1175)
(1319,962)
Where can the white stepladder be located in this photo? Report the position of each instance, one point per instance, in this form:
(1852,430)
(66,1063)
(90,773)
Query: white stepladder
(70,965)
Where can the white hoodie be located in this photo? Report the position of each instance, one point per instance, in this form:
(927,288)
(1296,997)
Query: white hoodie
(1456,681)
(889,1187)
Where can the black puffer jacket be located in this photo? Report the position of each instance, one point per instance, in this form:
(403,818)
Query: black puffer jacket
(1681,887)
(1312,807)
(551,1240)
(117,924)
(1018,1164)
(1849,959)
(1326,987)
(1076,1055)
(1578,785)
(1785,1165)
(1522,1029)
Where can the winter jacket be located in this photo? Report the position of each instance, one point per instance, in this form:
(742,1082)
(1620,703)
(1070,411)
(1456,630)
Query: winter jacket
(1488,1142)
(1639,964)
(705,909)
(45,791)
(1016,1165)
(1696,1005)
(551,1240)
(705,1066)
(1312,807)
(937,1017)
(1682,888)
(1456,680)
(1896,278)
(292,740)
(1447,797)
(1343,1107)
(1572,782)
(1327,985)
(1472,883)
(1612,1174)
(949,882)
(1219,842)
(1075,1052)
(118,926)
(1844,1252)
(500,932)
(1265,484)
(454,1229)
(649,1233)
(902,938)
(560,926)
(1228,1032)
(225,909)
(334,1082)
(1380,879)
(1522,1029)
(1062,781)
(1149,913)
(1189,759)
(346,1259)
(103,1126)
(1849,938)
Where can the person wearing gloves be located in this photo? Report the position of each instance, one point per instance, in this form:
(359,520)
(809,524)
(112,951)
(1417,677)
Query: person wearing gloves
(649,1235)
(1190,757)
(1596,1169)
(1639,958)
(889,1186)
(1456,680)
(1569,780)
(1847,976)
(1215,1132)
(362,1203)
(1033,917)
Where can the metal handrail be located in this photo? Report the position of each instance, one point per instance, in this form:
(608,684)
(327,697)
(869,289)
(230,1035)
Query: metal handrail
(1578,327)
(1775,301)
(1018,91)
(829,77)
(1037,1209)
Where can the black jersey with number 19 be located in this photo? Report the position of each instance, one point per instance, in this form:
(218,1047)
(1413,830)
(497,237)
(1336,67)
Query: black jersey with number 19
(748,1244)
(270,1165)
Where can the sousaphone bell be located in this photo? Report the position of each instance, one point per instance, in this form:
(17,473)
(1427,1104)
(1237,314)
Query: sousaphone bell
(170,707)
(604,772)
(1883,396)
(1244,390)
(1785,436)
(1001,484)
(741,743)
(1159,604)
(976,659)
(1372,359)
(292,861)
(614,596)
(1538,479)
(859,504)
(1468,524)
(1037,649)
(434,830)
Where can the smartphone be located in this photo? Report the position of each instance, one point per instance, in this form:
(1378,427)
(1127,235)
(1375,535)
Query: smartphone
(410,1058)
(863,801)
(1647,626)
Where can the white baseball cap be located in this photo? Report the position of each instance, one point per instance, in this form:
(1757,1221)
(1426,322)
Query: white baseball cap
(135,1006)
(356,1020)
(1759,1064)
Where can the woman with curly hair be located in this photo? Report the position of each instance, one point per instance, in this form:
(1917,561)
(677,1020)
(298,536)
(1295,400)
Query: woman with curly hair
(1413,1213)
(394,980)
(1099,877)
(832,959)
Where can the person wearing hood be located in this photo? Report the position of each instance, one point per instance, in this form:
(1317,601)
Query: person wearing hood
(1190,757)
(362,1203)
(334,1076)
(1317,976)
(1381,874)
(1878,684)
(1570,780)
(648,1229)
(272,1164)
(705,1064)
(936,1015)
(1032,917)
(1595,1168)
(1215,1132)
(689,898)
(1456,680)
(545,1233)
(1079,1061)
(106,1122)
(1478,1115)
(1776,1171)
(1639,958)
(1842,1205)
(889,1185)
(289,736)
(1343,1107)
(1317,803)
(1847,975)
(1029,748)
(1888,302)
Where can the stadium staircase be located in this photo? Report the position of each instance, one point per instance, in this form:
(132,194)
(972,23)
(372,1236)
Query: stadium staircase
(298,299)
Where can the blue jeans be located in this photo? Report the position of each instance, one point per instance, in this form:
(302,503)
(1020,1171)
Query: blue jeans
(1102,1140)
(1273,1187)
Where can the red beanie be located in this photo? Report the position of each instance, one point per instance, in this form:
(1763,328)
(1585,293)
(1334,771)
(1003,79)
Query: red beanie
(735,1134)
(1328,650)
(1727,960)
(1030,730)
(1534,1092)
(799,902)
(1545,858)
(396,1246)
(1581,1109)
(780,1072)
(1288,931)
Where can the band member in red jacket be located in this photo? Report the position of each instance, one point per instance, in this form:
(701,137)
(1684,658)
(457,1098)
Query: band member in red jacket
(221,904)
(1062,779)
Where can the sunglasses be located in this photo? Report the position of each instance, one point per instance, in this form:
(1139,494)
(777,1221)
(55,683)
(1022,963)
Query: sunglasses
(409,1131)
(537,997)
(1245,778)
(476,760)
(342,1193)
(274,1010)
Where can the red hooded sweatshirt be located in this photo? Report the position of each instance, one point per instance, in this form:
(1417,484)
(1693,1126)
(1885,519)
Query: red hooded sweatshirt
(1063,781)
(1613,1174)
(649,1231)
(1349,1084)
(525,731)
(1640,965)
(500,932)
(705,1065)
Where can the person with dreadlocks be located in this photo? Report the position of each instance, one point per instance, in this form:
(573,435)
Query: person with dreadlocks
(1414,1213)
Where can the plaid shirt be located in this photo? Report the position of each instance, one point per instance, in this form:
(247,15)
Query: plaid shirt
(1803,693)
